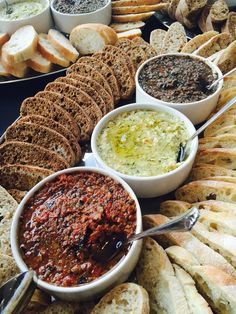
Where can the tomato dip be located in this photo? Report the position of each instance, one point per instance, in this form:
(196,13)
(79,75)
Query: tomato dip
(66,220)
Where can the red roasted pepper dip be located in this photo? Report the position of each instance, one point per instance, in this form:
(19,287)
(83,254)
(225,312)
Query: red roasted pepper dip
(62,222)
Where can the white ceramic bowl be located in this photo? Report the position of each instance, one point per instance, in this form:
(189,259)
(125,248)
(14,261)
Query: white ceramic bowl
(197,111)
(155,185)
(42,22)
(65,22)
(116,275)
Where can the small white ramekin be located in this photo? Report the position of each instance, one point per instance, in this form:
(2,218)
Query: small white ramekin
(196,111)
(155,185)
(118,274)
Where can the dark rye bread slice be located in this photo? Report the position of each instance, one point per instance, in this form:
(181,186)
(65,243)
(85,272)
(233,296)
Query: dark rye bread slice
(52,124)
(147,48)
(107,98)
(136,53)
(100,105)
(121,71)
(107,72)
(22,177)
(83,121)
(46,108)
(87,70)
(18,195)
(14,152)
(42,136)
(81,98)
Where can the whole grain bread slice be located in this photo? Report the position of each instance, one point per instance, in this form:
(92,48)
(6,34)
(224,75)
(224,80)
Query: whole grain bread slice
(18,195)
(107,72)
(42,136)
(81,118)
(175,38)
(52,124)
(8,268)
(22,177)
(80,97)
(146,47)
(197,41)
(157,37)
(201,171)
(12,152)
(219,11)
(46,108)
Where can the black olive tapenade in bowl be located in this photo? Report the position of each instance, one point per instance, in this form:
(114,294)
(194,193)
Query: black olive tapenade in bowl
(179,81)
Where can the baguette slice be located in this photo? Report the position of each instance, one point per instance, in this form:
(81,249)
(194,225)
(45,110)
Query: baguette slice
(229,81)
(125,298)
(205,22)
(173,4)
(222,157)
(123,27)
(63,45)
(196,303)
(90,38)
(231,130)
(126,18)
(22,45)
(155,273)
(22,177)
(17,194)
(201,252)
(226,95)
(16,69)
(3,71)
(227,60)
(226,119)
(219,11)
(157,37)
(198,41)
(204,190)
(175,39)
(229,26)
(4,37)
(203,171)
(187,11)
(138,9)
(125,3)
(130,34)
(49,52)
(38,63)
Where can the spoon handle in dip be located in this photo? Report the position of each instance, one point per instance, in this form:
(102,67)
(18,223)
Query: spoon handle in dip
(184,222)
(220,78)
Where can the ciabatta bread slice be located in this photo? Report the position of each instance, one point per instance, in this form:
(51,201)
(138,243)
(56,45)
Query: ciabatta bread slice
(175,39)
(125,298)
(63,45)
(219,11)
(155,273)
(229,26)
(197,41)
(227,60)
(136,32)
(222,157)
(202,171)
(123,27)
(90,38)
(38,63)
(196,303)
(217,206)
(157,37)
(173,208)
(22,45)
(49,52)
(4,37)
(132,17)
(138,9)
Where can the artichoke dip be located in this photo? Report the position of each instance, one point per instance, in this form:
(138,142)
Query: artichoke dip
(142,142)
(21,10)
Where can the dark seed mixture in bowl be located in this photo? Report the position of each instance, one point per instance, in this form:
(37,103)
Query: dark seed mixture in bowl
(177,79)
(78,6)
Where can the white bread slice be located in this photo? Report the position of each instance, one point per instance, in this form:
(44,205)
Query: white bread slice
(157,37)
(38,63)
(90,38)
(3,71)
(201,252)
(197,41)
(223,243)
(219,11)
(125,298)
(213,45)
(227,60)
(202,171)
(4,37)
(229,26)
(155,273)
(123,27)
(130,34)
(196,303)
(125,3)
(175,39)
(63,45)
(16,69)
(132,17)
(22,45)
(138,9)
(49,52)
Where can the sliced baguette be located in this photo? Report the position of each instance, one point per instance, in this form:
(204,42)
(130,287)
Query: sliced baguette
(123,27)
(3,71)
(202,171)
(219,141)
(205,22)
(22,177)
(175,39)
(16,69)
(155,273)
(130,34)
(38,63)
(125,3)
(224,131)
(226,119)
(219,11)
(138,9)
(132,17)
(198,41)
(63,45)
(125,298)
(227,60)
(157,37)
(221,157)
(49,52)
(229,26)
(4,37)
(21,46)
(204,190)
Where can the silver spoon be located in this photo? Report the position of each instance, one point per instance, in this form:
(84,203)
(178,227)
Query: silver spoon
(184,148)
(220,78)
(113,245)
(9,10)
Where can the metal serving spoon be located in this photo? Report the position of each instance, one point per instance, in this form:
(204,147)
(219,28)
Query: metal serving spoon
(220,78)
(184,148)
(116,242)
(16,293)
(9,10)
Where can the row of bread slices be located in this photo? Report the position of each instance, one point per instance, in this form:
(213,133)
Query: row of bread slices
(26,49)
(220,48)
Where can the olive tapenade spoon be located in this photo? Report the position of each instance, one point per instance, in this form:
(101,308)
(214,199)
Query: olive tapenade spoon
(184,148)
(112,246)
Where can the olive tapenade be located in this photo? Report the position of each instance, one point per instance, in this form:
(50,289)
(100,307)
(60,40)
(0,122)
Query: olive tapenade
(177,79)
(65,222)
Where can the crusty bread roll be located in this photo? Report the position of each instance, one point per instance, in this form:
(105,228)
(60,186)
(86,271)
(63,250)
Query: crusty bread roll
(92,37)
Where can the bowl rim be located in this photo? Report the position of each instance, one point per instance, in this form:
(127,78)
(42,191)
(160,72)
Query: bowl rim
(214,68)
(111,115)
(45,9)
(113,272)
(79,14)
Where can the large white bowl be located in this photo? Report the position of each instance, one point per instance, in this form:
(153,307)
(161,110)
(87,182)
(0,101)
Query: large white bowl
(42,22)
(155,185)
(65,22)
(196,111)
(116,275)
